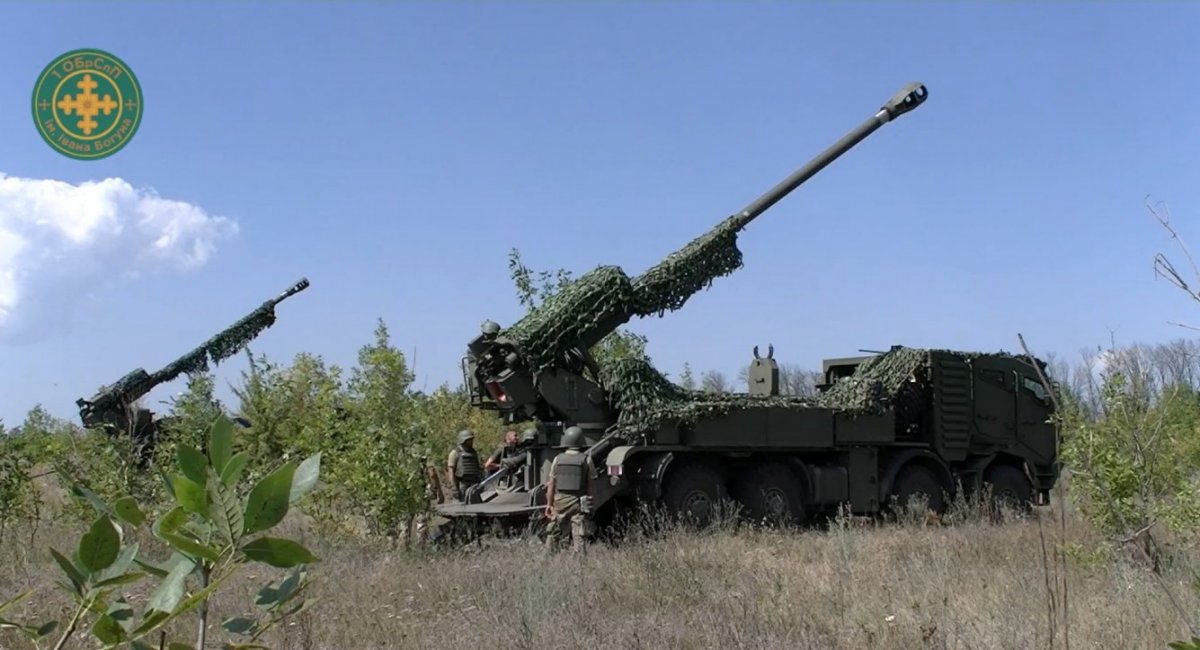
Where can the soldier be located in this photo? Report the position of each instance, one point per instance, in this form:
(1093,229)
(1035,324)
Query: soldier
(567,497)
(463,468)
(433,492)
(508,448)
(514,462)
(433,483)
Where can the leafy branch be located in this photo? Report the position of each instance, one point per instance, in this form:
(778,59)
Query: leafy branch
(212,532)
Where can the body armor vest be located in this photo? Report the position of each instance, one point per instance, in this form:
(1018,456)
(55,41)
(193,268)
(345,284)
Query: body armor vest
(570,474)
(467,468)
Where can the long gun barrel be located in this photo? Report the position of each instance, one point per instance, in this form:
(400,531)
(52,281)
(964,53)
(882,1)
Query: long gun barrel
(110,405)
(605,298)
(909,97)
(501,364)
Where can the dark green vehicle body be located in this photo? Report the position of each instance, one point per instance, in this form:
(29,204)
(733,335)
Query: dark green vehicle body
(977,413)
(978,419)
(935,420)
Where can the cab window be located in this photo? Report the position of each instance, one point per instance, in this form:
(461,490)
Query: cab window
(1034,387)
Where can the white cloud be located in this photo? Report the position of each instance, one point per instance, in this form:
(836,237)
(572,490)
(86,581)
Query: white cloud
(60,241)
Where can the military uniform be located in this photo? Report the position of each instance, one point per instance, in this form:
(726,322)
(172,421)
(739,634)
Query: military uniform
(463,465)
(515,457)
(569,473)
(504,450)
(433,493)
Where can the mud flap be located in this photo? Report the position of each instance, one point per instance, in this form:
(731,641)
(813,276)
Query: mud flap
(645,474)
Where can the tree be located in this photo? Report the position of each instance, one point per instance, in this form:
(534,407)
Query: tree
(378,433)
(714,381)
(296,409)
(794,381)
(381,471)
(19,497)
(686,380)
(191,414)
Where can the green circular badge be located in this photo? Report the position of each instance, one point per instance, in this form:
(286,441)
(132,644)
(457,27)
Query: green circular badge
(87,104)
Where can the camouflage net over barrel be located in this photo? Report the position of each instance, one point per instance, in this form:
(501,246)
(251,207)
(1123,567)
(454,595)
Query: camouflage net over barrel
(214,350)
(603,299)
(220,347)
(575,314)
(668,285)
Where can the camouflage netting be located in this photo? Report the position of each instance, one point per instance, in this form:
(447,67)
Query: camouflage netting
(572,315)
(669,284)
(599,301)
(876,382)
(130,383)
(106,407)
(220,347)
(605,298)
(645,398)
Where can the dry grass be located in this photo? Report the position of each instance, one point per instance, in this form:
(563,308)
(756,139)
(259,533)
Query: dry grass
(908,585)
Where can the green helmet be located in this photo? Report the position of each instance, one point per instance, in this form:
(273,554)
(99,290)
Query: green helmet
(529,435)
(573,438)
(465,435)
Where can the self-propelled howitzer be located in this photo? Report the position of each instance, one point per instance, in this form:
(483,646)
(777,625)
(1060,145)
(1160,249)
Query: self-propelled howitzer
(884,429)
(512,369)
(113,407)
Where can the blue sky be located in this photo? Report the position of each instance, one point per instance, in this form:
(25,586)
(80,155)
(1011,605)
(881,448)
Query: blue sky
(394,152)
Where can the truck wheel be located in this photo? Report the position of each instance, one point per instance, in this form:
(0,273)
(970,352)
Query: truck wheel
(1009,487)
(918,480)
(773,494)
(694,493)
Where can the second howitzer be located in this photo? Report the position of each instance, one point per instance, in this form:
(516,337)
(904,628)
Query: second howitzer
(114,408)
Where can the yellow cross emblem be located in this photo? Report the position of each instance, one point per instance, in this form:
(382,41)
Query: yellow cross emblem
(87,104)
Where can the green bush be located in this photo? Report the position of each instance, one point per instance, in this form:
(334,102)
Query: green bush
(1135,465)
(213,530)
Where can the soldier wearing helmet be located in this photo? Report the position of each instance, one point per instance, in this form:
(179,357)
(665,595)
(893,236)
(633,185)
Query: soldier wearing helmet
(516,461)
(528,436)
(509,448)
(567,493)
(463,468)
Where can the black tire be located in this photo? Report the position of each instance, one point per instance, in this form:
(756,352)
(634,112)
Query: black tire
(1009,487)
(916,480)
(772,494)
(694,493)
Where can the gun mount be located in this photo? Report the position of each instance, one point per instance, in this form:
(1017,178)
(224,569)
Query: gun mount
(540,366)
(113,407)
